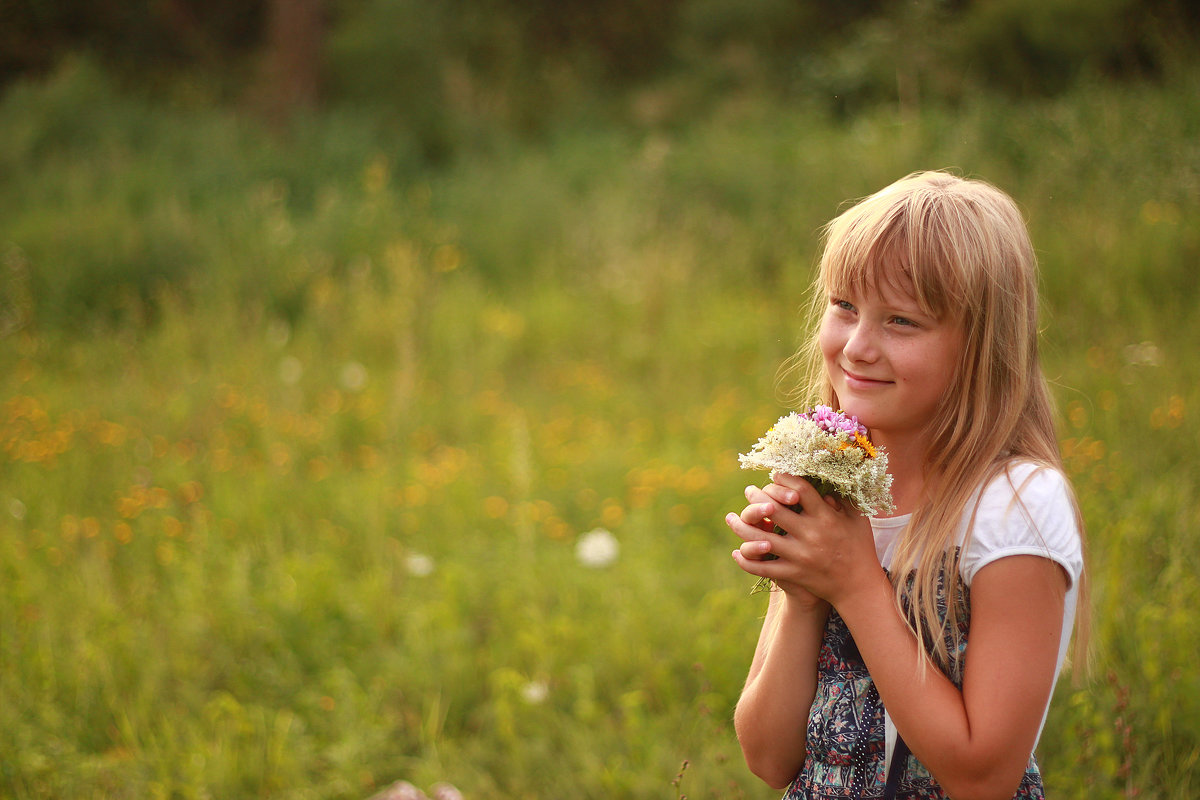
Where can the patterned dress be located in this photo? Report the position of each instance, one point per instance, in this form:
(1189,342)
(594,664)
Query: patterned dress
(845,738)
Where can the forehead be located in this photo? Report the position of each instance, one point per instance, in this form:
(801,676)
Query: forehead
(886,276)
(891,243)
(887,268)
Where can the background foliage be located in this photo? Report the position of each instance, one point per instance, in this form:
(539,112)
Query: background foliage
(302,416)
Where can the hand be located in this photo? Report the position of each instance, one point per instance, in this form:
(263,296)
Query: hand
(757,530)
(829,549)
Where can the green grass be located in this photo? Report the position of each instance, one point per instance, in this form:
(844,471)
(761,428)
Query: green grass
(263,380)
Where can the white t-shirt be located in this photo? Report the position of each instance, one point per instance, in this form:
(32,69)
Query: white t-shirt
(1026,511)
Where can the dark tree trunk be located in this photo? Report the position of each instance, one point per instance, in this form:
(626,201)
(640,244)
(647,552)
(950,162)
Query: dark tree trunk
(290,77)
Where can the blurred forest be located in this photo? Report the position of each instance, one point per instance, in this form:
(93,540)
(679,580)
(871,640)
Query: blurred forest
(453,73)
(421,84)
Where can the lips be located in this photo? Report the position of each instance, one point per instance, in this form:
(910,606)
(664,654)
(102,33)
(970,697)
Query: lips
(862,381)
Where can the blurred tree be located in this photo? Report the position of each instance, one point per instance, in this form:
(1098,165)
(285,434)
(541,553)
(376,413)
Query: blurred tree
(446,73)
(621,40)
(290,68)
(923,51)
(135,36)
(1042,46)
(393,56)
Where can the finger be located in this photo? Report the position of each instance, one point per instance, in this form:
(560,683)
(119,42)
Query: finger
(756,551)
(781,494)
(756,495)
(763,569)
(837,504)
(808,493)
(772,492)
(756,513)
(748,531)
(809,497)
(793,482)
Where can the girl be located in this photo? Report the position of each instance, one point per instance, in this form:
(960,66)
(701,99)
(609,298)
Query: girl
(861,684)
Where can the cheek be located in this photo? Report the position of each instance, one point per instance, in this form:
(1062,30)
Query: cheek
(829,340)
(951,356)
(936,368)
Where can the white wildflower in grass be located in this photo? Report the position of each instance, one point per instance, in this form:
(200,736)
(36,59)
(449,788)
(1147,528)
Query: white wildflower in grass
(353,377)
(535,692)
(597,548)
(418,565)
(290,370)
(831,451)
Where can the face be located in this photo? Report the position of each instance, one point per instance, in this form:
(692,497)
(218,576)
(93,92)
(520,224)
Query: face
(889,363)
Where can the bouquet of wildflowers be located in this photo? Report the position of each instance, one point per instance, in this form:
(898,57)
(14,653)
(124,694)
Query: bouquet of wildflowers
(832,452)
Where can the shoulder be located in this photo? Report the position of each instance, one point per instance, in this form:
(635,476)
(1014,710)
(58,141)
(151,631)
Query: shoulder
(1026,509)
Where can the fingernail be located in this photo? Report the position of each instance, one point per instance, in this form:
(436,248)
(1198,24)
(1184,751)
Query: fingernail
(729,518)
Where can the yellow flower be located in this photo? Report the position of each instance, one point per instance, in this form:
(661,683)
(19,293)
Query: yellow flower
(866,445)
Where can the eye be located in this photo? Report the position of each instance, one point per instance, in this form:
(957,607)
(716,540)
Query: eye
(844,305)
(904,322)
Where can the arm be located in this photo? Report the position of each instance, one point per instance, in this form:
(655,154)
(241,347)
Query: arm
(976,741)
(772,713)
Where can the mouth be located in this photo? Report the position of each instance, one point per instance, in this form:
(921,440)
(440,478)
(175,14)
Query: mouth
(862,381)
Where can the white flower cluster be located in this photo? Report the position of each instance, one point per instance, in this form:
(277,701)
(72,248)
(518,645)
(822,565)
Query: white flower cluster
(597,548)
(839,464)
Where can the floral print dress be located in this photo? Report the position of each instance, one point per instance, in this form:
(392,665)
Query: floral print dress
(845,755)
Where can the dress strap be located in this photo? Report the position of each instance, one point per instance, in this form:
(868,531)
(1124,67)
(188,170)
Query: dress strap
(899,759)
(860,762)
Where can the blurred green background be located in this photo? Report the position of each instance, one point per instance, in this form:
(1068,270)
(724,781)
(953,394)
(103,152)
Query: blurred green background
(342,340)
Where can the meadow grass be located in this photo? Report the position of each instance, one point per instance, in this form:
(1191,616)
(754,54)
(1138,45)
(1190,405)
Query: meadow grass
(291,511)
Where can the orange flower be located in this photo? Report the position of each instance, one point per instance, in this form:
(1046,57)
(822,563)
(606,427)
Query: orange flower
(866,445)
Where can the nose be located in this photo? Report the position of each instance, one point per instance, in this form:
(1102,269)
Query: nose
(861,344)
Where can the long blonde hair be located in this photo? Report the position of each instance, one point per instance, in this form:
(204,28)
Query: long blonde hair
(963,250)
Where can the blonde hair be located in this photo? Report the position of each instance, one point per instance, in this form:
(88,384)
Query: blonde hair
(962,250)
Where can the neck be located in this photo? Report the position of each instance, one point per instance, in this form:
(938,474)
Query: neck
(906,464)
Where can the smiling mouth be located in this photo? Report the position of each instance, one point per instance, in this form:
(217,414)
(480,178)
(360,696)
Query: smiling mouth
(863,380)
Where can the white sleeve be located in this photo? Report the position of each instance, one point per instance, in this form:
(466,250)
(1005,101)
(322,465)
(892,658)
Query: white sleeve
(1027,510)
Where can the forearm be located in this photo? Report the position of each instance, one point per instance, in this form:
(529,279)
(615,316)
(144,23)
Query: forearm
(971,755)
(926,707)
(772,713)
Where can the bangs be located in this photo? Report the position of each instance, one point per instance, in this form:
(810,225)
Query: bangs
(903,240)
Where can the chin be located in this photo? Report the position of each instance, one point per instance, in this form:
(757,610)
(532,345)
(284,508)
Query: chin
(857,410)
